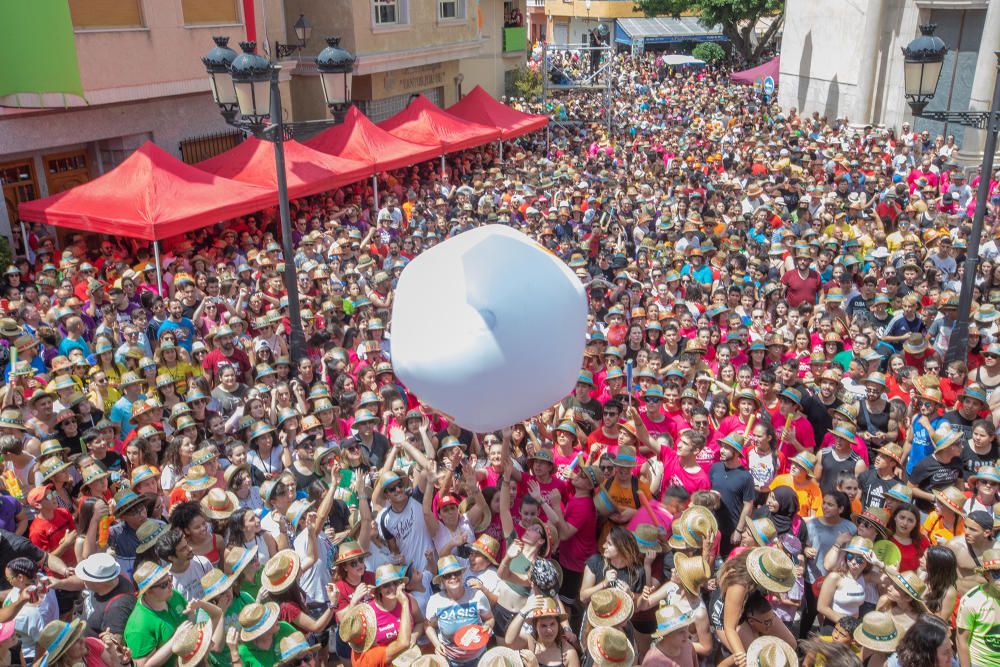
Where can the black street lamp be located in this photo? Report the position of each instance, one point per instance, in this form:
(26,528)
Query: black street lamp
(923,59)
(336,68)
(303,31)
(245,87)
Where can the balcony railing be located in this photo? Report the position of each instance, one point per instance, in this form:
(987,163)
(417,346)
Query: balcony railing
(515,40)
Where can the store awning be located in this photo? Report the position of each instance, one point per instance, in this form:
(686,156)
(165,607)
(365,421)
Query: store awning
(151,195)
(480,107)
(307,171)
(357,138)
(756,75)
(427,124)
(666,30)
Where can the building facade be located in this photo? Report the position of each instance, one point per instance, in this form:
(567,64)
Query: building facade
(845,60)
(570,21)
(143,79)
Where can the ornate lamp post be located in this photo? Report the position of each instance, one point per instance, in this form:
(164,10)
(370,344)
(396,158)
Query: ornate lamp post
(923,59)
(245,87)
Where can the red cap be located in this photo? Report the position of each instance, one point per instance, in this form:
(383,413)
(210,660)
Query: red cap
(36,495)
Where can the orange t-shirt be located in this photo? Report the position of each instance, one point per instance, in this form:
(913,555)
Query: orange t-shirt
(373,657)
(810,495)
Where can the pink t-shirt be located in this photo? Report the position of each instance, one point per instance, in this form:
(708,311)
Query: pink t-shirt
(387,622)
(674,473)
(95,649)
(574,552)
(666,425)
(803,431)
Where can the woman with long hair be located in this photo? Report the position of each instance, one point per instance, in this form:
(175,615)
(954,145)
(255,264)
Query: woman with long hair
(927,643)
(243,529)
(903,598)
(847,590)
(537,629)
(279,583)
(171,360)
(390,584)
(176,461)
(904,532)
(939,568)
(189,518)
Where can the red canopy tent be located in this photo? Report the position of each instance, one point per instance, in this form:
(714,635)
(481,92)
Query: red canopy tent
(151,195)
(424,123)
(480,107)
(357,138)
(761,72)
(308,171)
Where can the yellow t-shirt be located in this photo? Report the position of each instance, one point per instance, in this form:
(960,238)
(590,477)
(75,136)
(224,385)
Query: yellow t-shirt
(809,493)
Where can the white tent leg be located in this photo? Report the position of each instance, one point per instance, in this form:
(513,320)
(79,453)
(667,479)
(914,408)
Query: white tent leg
(500,146)
(375,188)
(159,275)
(443,168)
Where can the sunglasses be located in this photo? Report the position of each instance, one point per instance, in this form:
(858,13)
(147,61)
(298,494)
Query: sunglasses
(394,488)
(854,558)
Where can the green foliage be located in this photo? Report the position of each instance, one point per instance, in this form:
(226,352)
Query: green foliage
(527,82)
(6,254)
(737,18)
(710,52)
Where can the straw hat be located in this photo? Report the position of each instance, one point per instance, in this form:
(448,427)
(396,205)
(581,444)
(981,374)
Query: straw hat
(498,656)
(219,504)
(806,461)
(952,498)
(763,531)
(909,582)
(877,632)
(49,468)
(281,571)
(56,637)
(193,645)
(991,561)
(293,647)
(237,559)
(915,344)
(771,569)
(488,547)
(894,452)
(93,473)
(859,546)
(697,523)
(609,647)
(609,607)
(196,479)
(447,565)
(647,536)
(692,571)
(349,550)
(548,607)
(878,517)
(148,533)
(770,651)
(257,618)
(215,583)
(148,574)
(670,619)
(901,493)
(358,629)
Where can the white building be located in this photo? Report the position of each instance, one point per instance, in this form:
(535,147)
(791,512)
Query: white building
(844,59)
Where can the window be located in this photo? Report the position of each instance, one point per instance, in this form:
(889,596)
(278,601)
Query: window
(389,12)
(96,14)
(451,10)
(210,12)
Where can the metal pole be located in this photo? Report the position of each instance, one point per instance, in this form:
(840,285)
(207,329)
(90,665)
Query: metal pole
(159,275)
(958,345)
(444,168)
(24,239)
(500,147)
(298,346)
(375,187)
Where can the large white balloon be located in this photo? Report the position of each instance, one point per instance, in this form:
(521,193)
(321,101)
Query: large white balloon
(488,327)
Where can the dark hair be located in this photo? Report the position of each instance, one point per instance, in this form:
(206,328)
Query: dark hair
(942,574)
(184,513)
(843,502)
(920,644)
(677,491)
(915,533)
(23,566)
(85,513)
(234,528)
(166,546)
(849,623)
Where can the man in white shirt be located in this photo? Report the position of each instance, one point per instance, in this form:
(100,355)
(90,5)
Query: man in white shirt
(312,545)
(402,522)
(186,568)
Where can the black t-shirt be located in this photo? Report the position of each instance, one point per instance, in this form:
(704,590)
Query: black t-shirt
(873,488)
(959,423)
(972,462)
(112,461)
(819,415)
(14,546)
(735,487)
(592,408)
(634,577)
(111,611)
(931,475)
(833,466)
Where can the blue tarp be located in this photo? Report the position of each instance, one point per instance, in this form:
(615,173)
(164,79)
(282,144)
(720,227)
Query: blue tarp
(665,31)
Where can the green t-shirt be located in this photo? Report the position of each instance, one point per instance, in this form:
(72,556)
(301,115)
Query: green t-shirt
(230,620)
(251,588)
(255,657)
(979,614)
(148,630)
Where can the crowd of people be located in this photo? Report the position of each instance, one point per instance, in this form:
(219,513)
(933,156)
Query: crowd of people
(766,458)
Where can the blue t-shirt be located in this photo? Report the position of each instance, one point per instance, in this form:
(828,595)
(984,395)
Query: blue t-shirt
(923,444)
(183,330)
(451,615)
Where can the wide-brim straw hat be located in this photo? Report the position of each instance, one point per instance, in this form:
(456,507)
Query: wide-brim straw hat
(771,569)
(257,618)
(214,583)
(147,577)
(219,504)
(358,629)
(763,531)
(148,533)
(192,646)
(197,479)
(877,632)
(550,607)
(293,647)
(609,647)
(909,582)
(237,559)
(488,547)
(281,571)
(770,651)
(692,571)
(349,550)
(57,636)
(609,607)
(52,467)
(671,619)
(498,656)
(952,498)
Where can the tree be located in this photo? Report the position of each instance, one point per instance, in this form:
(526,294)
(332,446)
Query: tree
(527,82)
(710,52)
(738,19)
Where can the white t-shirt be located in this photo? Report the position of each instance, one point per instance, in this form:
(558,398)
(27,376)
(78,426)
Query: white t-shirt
(189,581)
(444,536)
(314,580)
(409,530)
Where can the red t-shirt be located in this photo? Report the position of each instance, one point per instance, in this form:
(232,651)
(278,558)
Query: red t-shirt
(574,552)
(911,553)
(674,473)
(801,290)
(215,358)
(47,533)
